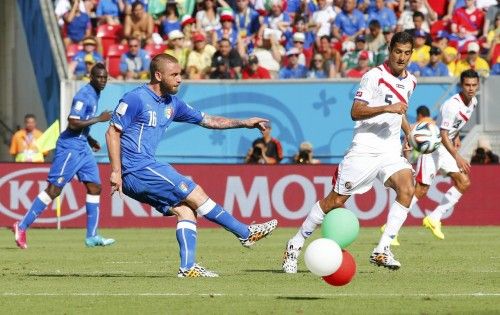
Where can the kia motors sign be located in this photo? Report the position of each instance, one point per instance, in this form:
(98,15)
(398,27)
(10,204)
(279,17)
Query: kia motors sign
(252,193)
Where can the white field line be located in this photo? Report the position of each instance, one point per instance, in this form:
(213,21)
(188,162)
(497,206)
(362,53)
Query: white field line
(319,295)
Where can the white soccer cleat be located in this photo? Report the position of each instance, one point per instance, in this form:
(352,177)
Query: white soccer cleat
(196,271)
(385,259)
(258,232)
(291,257)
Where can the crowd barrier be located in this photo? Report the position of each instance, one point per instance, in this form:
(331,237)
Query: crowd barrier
(250,192)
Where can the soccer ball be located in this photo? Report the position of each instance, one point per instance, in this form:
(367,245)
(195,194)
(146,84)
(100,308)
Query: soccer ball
(425,137)
(323,257)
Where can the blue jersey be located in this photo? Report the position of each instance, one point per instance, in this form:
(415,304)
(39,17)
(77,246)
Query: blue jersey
(143,117)
(84,107)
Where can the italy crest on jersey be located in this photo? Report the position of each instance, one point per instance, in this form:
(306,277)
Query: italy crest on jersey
(168,112)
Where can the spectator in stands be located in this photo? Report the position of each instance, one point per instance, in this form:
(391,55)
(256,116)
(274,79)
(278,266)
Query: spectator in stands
(246,19)
(277,19)
(305,154)
(468,21)
(188,27)
(228,30)
(254,71)
(375,38)
(230,56)
(350,59)
(405,21)
(207,19)
(472,61)
(383,15)
(483,154)
(64,6)
(269,52)
(139,24)
(300,27)
(362,67)
(435,68)
(221,69)
(383,51)
(265,150)
(200,58)
(298,42)
(177,48)
(350,22)
(317,68)
(323,18)
(492,18)
(109,11)
(22,145)
(170,21)
(331,56)
(418,22)
(450,53)
(77,67)
(134,64)
(77,24)
(293,70)
(421,51)
(89,63)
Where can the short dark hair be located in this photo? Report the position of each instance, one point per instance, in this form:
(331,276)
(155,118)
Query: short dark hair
(468,74)
(136,4)
(424,111)
(97,67)
(158,60)
(28,116)
(401,38)
(374,23)
(224,40)
(419,14)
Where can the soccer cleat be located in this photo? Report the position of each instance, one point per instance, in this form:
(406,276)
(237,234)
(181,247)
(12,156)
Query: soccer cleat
(98,241)
(291,257)
(196,271)
(394,241)
(258,231)
(435,227)
(385,259)
(19,236)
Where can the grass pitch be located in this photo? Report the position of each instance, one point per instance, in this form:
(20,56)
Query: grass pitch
(57,274)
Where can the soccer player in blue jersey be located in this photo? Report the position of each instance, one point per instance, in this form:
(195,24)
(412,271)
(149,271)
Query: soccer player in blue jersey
(74,156)
(137,126)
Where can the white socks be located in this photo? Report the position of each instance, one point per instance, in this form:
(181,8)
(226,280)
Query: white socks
(449,200)
(314,218)
(395,219)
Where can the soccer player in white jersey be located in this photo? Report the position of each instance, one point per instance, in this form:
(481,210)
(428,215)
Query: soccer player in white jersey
(379,110)
(454,114)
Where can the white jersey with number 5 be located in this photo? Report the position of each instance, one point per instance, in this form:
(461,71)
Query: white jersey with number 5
(455,114)
(381,133)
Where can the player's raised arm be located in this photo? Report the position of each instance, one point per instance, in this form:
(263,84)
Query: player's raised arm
(219,122)
(113,142)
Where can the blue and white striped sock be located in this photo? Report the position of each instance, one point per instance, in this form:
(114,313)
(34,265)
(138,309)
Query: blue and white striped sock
(39,204)
(92,206)
(217,214)
(186,237)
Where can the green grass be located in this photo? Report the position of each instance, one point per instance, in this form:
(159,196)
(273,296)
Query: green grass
(57,274)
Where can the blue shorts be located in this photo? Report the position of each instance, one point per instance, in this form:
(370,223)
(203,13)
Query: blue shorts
(158,185)
(67,163)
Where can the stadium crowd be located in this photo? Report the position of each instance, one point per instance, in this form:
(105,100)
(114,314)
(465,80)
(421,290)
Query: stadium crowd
(261,39)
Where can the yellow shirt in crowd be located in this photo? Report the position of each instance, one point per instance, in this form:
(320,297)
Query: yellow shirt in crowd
(23,146)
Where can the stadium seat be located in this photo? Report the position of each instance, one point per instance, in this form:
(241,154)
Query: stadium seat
(115,52)
(155,49)
(71,50)
(109,35)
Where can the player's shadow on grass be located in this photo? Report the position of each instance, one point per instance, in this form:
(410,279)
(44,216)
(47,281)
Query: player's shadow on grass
(272,270)
(300,298)
(88,275)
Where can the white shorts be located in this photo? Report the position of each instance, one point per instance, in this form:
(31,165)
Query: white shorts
(438,161)
(356,173)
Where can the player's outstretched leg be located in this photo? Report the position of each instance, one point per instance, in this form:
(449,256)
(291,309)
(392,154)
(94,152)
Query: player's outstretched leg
(247,235)
(37,207)
(295,244)
(93,239)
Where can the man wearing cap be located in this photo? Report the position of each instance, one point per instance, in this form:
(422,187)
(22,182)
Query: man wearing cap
(293,70)
(230,56)
(177,48)
(228,30)
(362,67)
(253,70)
(134,64)
(350,22)
(450,53)
(435,68)
(77,67)
(472,61)
(200,58)
(383,15)
(298,40)
(221,70)
(421,50)
(277,20)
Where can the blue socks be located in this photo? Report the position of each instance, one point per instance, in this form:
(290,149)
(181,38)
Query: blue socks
(92,207)
(41,202)
(217,214)
(186,237)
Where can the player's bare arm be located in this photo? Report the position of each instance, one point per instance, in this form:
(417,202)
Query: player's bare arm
(94,144)
(360,110)
(78,124)
(405,126)
(462,163)
(113,142)
(219,122)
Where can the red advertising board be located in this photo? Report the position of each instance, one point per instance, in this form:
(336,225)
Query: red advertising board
(250,192)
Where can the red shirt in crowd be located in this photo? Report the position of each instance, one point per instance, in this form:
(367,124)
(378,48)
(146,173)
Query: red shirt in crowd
(260,73)
(471,22)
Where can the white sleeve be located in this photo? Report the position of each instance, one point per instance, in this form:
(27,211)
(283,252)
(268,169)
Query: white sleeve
(448,115)
(366,88)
